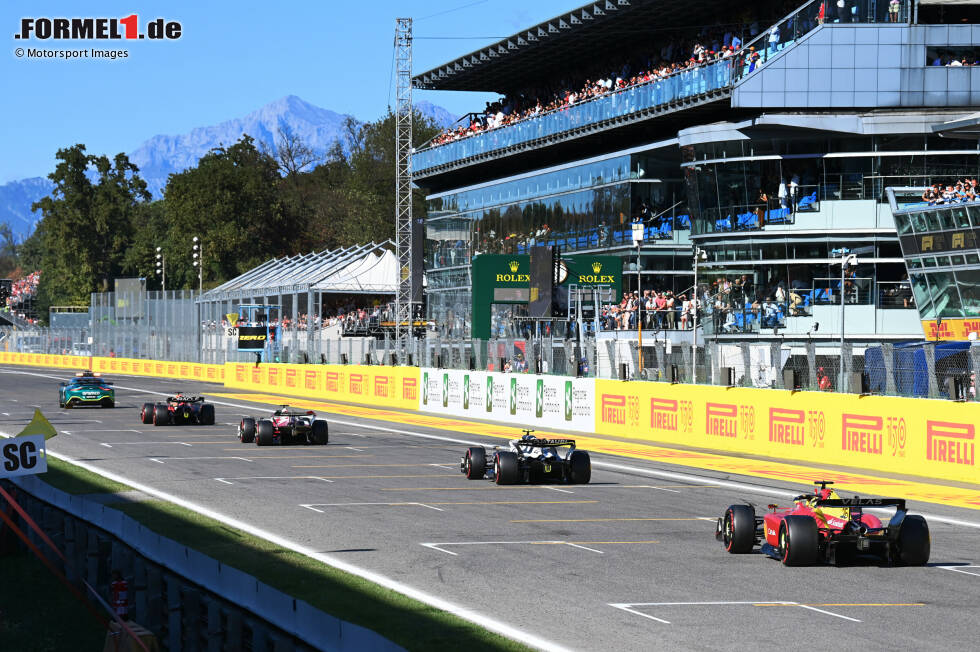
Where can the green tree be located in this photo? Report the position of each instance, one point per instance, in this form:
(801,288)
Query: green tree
(9,262)
(231,201)
(85,229)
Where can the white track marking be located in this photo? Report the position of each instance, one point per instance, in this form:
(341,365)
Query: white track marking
(829,613)
(439,546)
(313,506)
(359,450)
(575,545)
(629,607)
(208,457)
(143,443)
(564,491)
(960,569)
(153,459)
(6,414)
(273,477)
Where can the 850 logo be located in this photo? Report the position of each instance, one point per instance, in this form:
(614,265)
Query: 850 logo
(97,29)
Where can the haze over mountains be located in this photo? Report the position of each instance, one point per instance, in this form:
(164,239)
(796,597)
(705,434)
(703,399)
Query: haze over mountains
(163,155)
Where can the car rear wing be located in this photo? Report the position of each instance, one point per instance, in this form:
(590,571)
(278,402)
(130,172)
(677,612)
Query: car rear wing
(185,399)
(862,502)
(545,443)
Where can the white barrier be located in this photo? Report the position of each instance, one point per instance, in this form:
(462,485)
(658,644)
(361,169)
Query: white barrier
(547,402)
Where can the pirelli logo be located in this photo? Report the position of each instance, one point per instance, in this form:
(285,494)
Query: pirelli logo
(787,426)
(862,433)
(333,380)
(310,380)
(410,389)
(211,373)
(381,386)
(290,378)
(721,420)
(273,376)
(256,376)
(183,370)
(613,409)
(356,383)
(663,414)
(952,443)
(240,373)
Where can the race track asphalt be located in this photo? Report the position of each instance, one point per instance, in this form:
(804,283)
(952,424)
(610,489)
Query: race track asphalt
(628,562)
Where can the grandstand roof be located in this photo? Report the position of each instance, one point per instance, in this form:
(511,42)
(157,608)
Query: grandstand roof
(585,34)
(363,269)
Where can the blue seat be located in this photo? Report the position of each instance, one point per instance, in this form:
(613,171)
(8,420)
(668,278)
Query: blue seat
(684,221)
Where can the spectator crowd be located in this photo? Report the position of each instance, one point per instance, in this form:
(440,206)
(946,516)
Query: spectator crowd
(23,291)
(959,193)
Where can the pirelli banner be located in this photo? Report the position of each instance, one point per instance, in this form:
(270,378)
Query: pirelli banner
(525,400)
(935,439)
(46,360)
(379,386)
(214,373)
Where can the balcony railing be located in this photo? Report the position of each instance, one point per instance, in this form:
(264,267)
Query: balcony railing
(681,85)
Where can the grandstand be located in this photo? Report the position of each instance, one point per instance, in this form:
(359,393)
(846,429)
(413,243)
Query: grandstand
(765,137)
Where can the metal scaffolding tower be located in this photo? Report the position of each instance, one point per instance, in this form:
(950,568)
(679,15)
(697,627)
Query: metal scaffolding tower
(403,181)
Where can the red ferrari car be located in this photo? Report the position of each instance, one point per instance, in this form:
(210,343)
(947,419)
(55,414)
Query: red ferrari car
(824,527)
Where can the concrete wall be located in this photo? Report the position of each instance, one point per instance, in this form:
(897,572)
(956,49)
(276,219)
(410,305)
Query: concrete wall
(190,601)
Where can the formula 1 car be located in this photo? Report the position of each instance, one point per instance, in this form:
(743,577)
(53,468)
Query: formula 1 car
(528,459)
(86,388)
(287,425)
(824,527)
(179,410)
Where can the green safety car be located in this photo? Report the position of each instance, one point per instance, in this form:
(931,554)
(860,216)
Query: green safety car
(86,388)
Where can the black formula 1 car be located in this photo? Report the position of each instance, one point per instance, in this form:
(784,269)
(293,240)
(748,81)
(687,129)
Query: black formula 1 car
(528,459)
(825,527)
(287,425)
(179,410)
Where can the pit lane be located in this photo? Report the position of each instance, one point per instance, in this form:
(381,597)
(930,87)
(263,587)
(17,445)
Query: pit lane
(626,562)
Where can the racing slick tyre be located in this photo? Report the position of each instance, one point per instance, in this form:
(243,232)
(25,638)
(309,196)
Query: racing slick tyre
(738,529)
(68,404)
(913,541)
(206,416)
(580,468)
(107,403)
(263,433)
(319,432)
(476,463)
(505,468)
(799,540)
(246,430)
(146,413)
(160,415)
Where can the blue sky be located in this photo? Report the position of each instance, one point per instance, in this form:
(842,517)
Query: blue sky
(232,58)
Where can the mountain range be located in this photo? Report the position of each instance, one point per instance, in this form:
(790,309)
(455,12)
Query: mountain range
(163,155)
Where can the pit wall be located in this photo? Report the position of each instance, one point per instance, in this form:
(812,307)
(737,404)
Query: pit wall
(524,400)
(379,386)
(929,438)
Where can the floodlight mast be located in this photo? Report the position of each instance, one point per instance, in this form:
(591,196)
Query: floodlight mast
(403,183)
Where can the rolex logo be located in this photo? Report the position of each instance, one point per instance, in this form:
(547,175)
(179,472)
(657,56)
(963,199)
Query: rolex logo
(513,265)
(597,267)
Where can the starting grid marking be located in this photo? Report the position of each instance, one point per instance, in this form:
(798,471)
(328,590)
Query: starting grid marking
(632,607)
(572,544)
(962,569)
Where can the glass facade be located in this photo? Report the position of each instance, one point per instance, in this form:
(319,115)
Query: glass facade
(754,196)
(681,85)
(580,207)
(746,185)
(941,245)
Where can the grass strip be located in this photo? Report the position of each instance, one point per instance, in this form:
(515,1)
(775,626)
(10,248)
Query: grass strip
(38,613)
(77,481)
(407,622)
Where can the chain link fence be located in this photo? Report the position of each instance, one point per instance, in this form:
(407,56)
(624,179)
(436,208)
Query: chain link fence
(167,326)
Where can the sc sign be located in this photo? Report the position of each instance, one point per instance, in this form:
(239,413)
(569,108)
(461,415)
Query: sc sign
(22,456)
